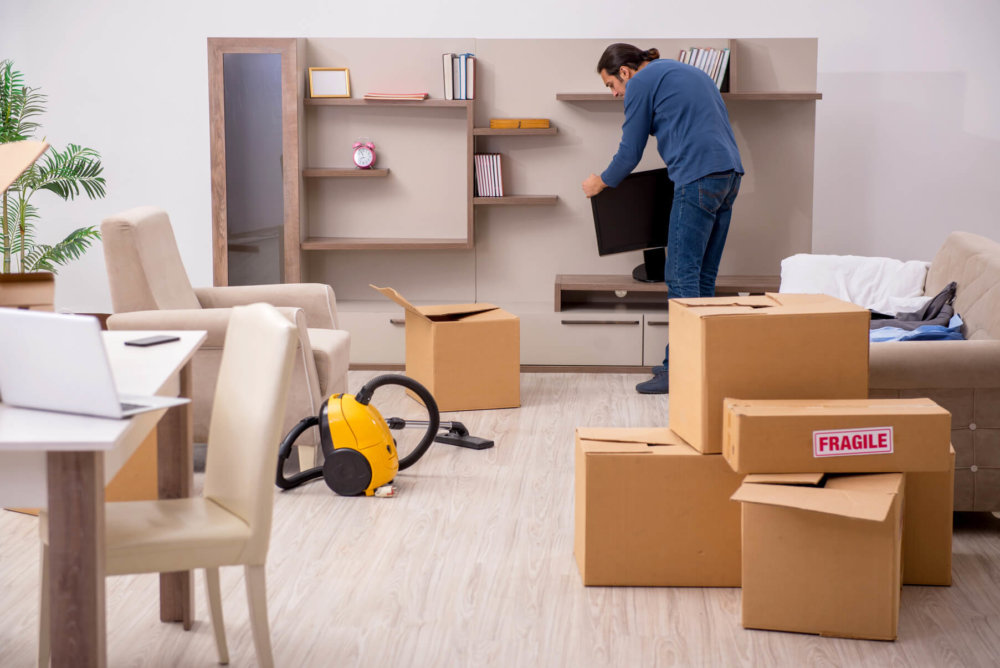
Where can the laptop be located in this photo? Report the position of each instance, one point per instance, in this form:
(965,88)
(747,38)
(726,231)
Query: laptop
(57,362)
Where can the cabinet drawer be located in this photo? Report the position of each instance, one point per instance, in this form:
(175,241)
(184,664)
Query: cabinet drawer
(590,338)
(654,338)
(376,337)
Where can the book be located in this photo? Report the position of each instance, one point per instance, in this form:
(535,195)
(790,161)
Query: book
(456,81)
(449,81)
(497,175)
(470,77)
(534,123)
(463,59)
(504,123)
(721,76)
(395,96)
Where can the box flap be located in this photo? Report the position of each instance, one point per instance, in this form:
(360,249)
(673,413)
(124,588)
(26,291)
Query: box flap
(793,407)
(868,505)
(439,312)
(644,435)
(752,301)
(813,479)
(16,157)
(771,303)
(651,440)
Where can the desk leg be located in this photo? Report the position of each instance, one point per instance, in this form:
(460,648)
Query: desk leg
(76,558)
(175,467)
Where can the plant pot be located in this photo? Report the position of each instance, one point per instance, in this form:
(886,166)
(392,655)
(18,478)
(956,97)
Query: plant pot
(35,290)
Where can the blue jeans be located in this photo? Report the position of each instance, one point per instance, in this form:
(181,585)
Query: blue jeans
(699,223)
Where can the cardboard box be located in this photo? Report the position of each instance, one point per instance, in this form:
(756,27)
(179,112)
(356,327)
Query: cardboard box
(836,436)
(823,560)
(653,511)
(467,355)
(927,526)
(766,347)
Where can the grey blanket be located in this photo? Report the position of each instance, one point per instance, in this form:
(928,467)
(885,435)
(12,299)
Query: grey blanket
(938,311)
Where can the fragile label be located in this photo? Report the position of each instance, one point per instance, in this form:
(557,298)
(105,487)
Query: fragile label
(838,442)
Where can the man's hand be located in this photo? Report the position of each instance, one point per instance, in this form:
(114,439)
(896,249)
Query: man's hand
(593,185)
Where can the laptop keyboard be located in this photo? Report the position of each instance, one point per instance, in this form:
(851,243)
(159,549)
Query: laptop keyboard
(128,407)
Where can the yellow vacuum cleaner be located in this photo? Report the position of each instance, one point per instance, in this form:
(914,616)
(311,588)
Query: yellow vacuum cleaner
(359,450)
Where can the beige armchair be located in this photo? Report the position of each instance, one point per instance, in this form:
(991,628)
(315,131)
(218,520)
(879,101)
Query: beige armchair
(230,524)
(150,290)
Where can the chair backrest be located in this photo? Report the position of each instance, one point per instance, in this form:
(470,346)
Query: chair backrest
(243,436)
(973,262)
(145,271)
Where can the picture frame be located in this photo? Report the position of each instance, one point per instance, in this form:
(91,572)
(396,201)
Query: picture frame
(329,82)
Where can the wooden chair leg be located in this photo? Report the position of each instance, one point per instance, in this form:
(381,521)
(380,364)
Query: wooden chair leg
(44,642)
(214,590)
(257,601)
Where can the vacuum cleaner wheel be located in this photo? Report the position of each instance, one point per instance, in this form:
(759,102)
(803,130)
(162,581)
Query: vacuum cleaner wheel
(347,472)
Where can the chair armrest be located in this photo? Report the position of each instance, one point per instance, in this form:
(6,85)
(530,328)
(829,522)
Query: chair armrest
(212,320)
(934,364)
(316,299)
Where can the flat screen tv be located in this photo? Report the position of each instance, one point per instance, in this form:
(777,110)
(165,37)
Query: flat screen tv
(635,216)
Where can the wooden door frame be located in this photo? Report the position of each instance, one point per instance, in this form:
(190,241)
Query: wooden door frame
(288,49)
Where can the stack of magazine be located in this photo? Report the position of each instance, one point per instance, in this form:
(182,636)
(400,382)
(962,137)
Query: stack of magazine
(712,62)
(459,76)
(489,176)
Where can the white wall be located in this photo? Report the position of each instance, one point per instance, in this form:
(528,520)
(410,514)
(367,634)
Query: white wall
(907,141)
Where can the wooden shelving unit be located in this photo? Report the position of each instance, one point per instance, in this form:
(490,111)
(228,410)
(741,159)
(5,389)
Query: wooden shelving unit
(761,96)
(513,200)
(343,173)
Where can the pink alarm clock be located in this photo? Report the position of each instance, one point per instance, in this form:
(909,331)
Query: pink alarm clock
(364,154)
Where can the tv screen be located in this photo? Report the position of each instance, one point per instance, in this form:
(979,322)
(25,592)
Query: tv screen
(635,215)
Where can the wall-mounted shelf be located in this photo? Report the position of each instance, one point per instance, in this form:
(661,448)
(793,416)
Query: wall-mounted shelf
(360,243)
(343,173)
(356,102)
(759,96)
(512,200)
(513,132)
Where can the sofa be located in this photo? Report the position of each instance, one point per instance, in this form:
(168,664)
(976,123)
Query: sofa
(962,376)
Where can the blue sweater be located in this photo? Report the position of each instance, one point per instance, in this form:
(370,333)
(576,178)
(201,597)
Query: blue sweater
(680,106)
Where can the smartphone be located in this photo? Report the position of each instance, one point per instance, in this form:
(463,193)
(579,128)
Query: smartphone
(152,340)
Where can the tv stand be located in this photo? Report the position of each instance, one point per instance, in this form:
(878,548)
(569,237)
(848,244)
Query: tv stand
(580,290)
(653,265)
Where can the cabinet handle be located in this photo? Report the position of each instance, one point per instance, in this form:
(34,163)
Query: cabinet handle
(657,323)
(600,322)
(396,321)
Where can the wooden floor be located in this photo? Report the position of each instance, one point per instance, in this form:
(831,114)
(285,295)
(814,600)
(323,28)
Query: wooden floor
(472,565)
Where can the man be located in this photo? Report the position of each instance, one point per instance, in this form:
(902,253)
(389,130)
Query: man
(681,106)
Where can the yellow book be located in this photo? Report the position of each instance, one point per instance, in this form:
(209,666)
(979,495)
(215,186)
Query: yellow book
(534,122)
(503,123)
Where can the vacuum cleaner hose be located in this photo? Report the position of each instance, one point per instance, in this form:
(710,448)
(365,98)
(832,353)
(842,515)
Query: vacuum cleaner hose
(433,415)
(285,449)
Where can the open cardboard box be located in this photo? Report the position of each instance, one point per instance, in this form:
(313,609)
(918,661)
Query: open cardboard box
(822,558)
(653,511)
(860,436)
(772,346)
(467,355)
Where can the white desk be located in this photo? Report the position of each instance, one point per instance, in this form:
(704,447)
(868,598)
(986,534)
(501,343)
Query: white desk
(63,461)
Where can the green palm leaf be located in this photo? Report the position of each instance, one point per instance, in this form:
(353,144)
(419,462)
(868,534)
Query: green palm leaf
(64,173)
(46,258)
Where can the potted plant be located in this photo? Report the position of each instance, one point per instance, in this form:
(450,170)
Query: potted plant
(27,267)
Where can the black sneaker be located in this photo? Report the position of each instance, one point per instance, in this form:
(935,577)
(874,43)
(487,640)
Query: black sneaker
(658,384)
